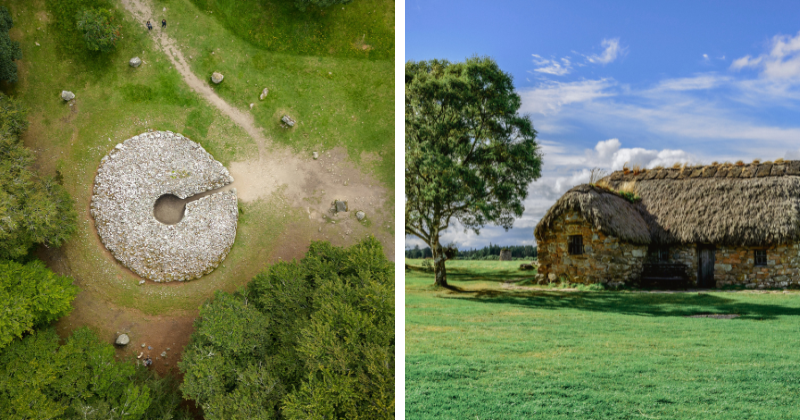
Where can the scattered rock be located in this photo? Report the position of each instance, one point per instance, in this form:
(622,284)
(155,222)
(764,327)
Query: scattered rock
(315,155)
(526,267)
(149,347)
(217,77)
(163,354)
(123,340)
(167,348)
(339,206)
(252,105)
(135,62)
(164,9)
(37,44)
(360,215)
(67,95)
(141,282)
(288,120)
(264,94)
(142,345)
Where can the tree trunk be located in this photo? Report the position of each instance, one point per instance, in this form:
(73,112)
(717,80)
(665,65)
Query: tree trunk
(439,269)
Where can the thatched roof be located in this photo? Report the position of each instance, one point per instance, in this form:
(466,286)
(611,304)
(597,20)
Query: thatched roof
(753,205)
(610,213)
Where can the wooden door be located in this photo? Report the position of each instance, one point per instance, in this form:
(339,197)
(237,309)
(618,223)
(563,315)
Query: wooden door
(705,276)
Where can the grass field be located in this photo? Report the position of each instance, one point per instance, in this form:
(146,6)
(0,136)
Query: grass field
(490,350)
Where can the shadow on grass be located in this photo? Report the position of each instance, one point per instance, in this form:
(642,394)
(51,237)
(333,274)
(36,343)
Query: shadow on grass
(641,304)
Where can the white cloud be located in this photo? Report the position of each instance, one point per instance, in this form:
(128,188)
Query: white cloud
(552,66)
(705,57)
(549,97)
(782,61)
(611,52)
(699,82)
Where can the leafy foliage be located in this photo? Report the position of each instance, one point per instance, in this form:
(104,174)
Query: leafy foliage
(80,380)
(490,252)
(469,155)
(99,31)
(304,4)
(308,339)
(33,295)
(33,209)
(9,50)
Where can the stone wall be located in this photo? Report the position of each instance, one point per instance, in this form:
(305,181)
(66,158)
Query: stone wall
(736,266)
(605,259)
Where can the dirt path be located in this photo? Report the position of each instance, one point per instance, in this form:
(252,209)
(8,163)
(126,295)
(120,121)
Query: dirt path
(310,185)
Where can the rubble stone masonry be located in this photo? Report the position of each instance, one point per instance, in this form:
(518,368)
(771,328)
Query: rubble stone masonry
(605,259)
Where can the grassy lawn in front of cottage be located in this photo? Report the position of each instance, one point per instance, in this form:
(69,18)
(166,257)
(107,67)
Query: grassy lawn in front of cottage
(488,349)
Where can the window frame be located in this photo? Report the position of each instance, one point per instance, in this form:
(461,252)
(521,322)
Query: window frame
(757,261)
(663,255)
(575,248)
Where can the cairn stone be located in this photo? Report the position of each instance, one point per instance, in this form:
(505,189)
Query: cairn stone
(217,77)
(339,206)
(360,215)
(122,340)
(505,255)
(288,120)
(138,172)
(67,95)
(315,155)
(264,94)
(135,62)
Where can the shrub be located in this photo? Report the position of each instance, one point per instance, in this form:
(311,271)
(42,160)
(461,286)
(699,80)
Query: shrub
(304,4)
(99,31)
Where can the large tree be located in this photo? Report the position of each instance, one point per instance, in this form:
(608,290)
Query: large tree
(9,50)
(33,209)
(99,30)
(469,154)
(312,339)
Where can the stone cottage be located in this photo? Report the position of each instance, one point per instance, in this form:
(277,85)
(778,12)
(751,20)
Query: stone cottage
(726,224)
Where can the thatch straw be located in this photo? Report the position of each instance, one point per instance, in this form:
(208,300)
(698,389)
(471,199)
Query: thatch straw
(606,211)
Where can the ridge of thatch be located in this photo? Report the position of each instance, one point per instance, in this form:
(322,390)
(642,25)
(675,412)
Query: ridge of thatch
(723,171)
(605,210)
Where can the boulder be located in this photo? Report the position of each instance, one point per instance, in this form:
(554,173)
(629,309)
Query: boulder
(315,155)
(217,77)
(67,95)
(122,340)
(360,215)
(263,94)
(288,120)
(505,255)
(339,206)
(135,62)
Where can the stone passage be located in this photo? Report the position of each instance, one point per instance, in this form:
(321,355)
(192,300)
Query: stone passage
(186,244)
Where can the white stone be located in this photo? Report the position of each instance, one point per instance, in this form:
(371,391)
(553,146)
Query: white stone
(122,340)
(67,95)
(217,77)
(264,94)
(135,62)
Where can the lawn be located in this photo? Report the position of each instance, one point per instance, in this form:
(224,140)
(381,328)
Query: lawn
(489,349)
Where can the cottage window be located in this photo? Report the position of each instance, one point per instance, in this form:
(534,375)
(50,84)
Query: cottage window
(663,254)
(760,257)
(576,244)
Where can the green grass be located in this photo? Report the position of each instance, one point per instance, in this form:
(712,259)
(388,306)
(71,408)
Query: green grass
(360,29)
(114,102)
(337,101)
(490,352)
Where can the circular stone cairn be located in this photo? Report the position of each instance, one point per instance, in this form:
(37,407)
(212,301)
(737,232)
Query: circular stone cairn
(138,172)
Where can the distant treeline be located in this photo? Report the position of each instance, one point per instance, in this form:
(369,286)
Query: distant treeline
(491,252)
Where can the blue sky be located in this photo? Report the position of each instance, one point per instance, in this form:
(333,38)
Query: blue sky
(648,83)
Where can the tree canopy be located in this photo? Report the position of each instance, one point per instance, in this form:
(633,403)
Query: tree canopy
(99,30)
(9,50)
(469,154)
(39,379)
(305,340)
(33,209)
(33,296)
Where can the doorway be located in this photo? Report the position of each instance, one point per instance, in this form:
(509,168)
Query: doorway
(705,270)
